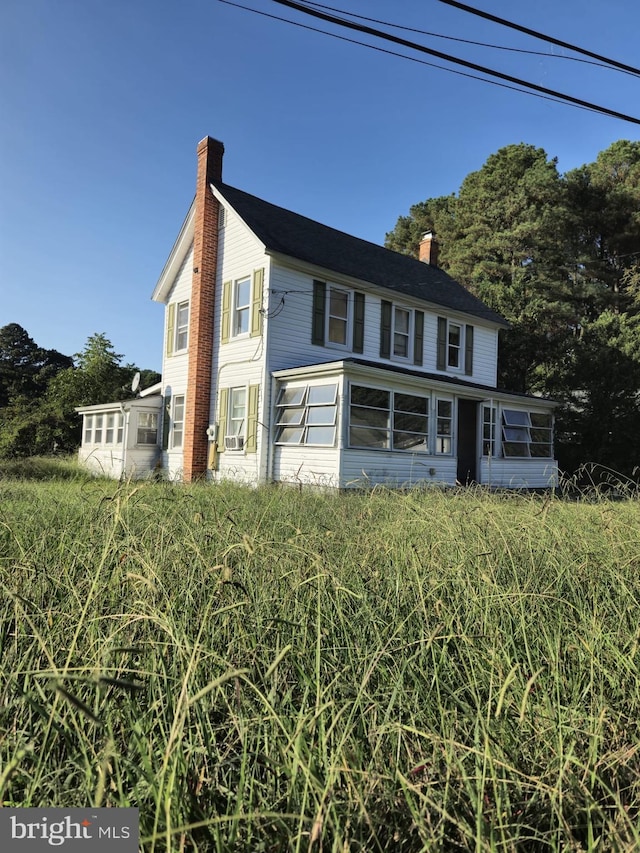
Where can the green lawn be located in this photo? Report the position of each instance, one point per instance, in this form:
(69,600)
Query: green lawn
(276,670)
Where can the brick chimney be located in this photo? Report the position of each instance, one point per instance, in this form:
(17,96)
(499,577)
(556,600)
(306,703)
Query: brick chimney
(429,249)
(201,310)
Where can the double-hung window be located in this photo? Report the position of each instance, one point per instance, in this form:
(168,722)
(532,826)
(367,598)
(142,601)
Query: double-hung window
(177,327)
(241,306)
(147,432)
(444,426)
(488,431)
(306,414)
(454,346)
(177,421)
(242,310)
(401,332)
(337,317)
(182,326)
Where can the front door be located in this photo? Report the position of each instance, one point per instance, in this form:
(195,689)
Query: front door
(467,441)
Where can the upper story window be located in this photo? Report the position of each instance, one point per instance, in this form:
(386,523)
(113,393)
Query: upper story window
(455,346)
(241,306)
(182,326)
(177,327)
(242,310)
(337,317)
(401,332)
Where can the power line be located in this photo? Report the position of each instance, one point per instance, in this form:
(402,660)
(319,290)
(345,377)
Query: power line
(400,55)
(461,40)
(465,63)
(628,68)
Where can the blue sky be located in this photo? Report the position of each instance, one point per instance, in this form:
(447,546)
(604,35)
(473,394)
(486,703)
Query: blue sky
(104,101)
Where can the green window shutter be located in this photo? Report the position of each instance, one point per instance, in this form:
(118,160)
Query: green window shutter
(385,329)
(223,406)
(166,421)
(256,303)
(418,336)
(468,350)
(226,312)
(171,327)
(251,444)
(358,322)
(317,321)
(441,363)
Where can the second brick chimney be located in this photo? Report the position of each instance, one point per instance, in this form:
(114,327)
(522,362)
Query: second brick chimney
(429,249)
(201,310)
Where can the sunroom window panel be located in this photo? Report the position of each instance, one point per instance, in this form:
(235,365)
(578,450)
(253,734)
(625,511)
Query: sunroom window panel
(410,403)
(292,396)
(416,442)
(363,436)
(291,415)
(321,415)
(88,428)
(321,394)
(410,423)
(374,397)
(371,417)
(290,435)
(325,435)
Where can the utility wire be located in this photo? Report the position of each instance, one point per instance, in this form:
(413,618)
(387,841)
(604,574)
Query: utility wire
(401,55)
(465,63)
(628,68)
(464,41)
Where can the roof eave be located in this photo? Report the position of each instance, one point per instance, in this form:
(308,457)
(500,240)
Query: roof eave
(176,257)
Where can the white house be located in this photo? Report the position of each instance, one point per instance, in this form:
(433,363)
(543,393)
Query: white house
(296,353)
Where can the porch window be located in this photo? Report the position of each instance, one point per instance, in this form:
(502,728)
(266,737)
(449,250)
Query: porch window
(306,414)
(444,411)
(488,430)
(97,432)
(88,428)
(386,420)
(147,428)
(526,434)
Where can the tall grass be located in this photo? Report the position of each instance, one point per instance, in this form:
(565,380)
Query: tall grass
(272,670)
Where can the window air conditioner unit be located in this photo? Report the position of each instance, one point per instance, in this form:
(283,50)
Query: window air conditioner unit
(233,442)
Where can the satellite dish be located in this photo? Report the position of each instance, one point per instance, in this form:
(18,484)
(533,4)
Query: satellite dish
(135,383)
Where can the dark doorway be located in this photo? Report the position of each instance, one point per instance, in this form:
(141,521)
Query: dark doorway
(467,441)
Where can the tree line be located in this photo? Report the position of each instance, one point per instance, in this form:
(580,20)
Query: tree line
(558,255)
(40,389)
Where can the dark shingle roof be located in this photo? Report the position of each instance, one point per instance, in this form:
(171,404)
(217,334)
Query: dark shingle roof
(298,237)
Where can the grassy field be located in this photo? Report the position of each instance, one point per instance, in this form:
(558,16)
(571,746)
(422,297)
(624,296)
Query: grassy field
(275,670)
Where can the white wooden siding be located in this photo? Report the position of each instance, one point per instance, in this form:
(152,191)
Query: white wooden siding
(362,468)
(175,367)
(519,473)
(309,466)
(241,361)
(290,330)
